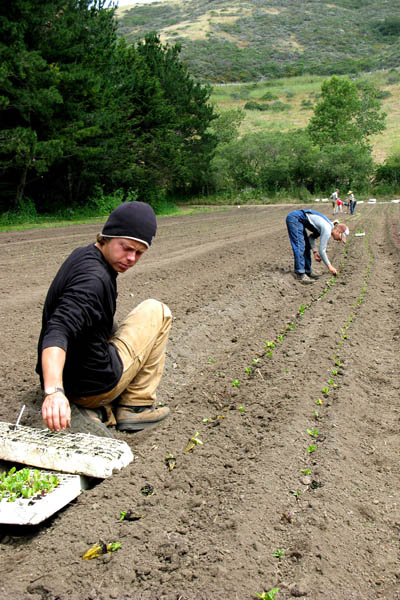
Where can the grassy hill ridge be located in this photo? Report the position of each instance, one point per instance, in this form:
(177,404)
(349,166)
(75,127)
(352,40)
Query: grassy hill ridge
(245,40)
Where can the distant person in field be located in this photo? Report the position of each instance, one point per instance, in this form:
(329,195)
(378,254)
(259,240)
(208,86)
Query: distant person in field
(334,200)
(95,375)
(351,201)
(299,223)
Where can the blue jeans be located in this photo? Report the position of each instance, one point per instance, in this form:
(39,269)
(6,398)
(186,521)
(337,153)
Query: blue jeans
(352,206)
(295,222)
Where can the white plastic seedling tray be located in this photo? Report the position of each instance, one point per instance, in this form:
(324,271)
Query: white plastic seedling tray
(76,453)
(31,511)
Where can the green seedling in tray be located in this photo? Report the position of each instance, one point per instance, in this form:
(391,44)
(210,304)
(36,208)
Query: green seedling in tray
(26,483)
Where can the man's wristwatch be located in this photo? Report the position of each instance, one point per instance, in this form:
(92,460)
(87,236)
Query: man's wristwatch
(53,390)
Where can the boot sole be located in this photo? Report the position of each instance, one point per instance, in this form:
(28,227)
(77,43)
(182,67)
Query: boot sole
(139,426)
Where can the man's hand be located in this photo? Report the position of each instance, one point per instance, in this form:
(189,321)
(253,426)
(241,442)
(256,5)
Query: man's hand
(317,256)
(56,411)
(332,270)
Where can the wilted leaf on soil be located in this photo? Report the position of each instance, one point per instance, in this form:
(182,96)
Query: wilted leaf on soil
(101,548)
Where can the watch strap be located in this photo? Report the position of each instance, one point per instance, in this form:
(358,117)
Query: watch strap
(52,390)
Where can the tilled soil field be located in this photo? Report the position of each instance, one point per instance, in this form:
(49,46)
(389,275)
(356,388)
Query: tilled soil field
(294,392)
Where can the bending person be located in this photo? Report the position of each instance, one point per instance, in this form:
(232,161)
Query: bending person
(92,376)
(298,223)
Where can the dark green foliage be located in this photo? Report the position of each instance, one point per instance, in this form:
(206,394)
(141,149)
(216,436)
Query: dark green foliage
(269,96)
(389,172)
(55,57)
(388,28)
(393,77)
(82,112)
(343,165)
(277,106)
(189,146)
(269,162)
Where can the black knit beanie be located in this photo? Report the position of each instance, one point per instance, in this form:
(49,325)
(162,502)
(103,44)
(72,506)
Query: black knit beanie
(133,220)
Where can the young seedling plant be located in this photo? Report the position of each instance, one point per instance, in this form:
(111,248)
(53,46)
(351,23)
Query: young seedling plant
(268,595)
(313,432)
(193,442)
(26,483)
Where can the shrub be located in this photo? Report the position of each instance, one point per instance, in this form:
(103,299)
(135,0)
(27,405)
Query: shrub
(269,96)
(389,172)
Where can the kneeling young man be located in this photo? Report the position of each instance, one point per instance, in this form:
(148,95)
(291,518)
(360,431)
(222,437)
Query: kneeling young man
(94,376)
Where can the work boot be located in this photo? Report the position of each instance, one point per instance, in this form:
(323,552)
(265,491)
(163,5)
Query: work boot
(88,420)
(136,418)
(313,275)
(303,278)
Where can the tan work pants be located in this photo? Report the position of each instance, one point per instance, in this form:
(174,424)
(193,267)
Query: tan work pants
(141,343)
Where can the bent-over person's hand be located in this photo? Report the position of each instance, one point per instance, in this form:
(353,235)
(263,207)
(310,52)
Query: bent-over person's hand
(332,270)
(317,256)
(56,411)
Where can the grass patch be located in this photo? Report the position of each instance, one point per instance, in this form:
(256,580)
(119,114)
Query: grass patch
(301,93)
(21,222)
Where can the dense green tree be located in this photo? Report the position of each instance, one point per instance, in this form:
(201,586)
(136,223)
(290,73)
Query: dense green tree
(55,58)
(346,113)
(143,126)
(80,110)
(269,162)
(343,165)
(225,127)
(191,142)
(29,96)
(389,172)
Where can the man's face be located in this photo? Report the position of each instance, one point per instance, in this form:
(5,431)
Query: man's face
(338,235)
(122,253)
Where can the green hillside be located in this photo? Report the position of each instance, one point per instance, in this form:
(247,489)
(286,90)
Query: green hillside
(244,40)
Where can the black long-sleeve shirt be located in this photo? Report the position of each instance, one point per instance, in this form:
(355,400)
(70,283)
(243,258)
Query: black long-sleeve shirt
(78,317)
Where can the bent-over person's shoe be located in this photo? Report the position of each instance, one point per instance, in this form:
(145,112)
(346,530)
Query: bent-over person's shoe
(88,420)
(136,418)
(313,275)
(303,278)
